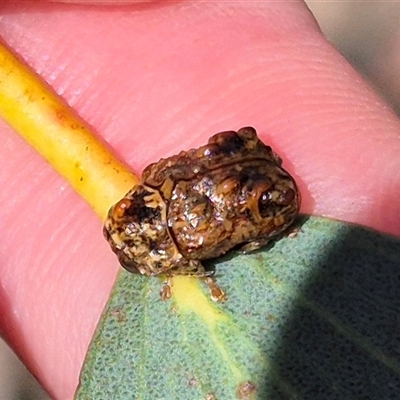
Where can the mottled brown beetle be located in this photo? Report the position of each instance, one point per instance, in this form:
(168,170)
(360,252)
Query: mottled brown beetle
(201,203)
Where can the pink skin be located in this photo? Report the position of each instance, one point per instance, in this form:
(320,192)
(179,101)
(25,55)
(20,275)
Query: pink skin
(152,80)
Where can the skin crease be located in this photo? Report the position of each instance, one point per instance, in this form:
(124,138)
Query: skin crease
(153,79)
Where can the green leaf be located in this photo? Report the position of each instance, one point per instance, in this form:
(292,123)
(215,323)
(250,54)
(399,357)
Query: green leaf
(317,316)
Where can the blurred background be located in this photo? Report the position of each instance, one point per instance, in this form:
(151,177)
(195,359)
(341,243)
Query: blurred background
(368,35)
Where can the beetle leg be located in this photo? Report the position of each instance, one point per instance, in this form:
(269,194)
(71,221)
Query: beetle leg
(254,245)
(166,289)
(216,293)
(196,270)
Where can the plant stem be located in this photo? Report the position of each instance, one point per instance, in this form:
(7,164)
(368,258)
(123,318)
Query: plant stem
(34,111)
(50,126)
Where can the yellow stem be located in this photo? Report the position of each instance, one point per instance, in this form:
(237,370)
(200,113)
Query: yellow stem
(33,110)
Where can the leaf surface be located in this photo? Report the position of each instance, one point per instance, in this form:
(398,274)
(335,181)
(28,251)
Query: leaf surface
(315,316)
